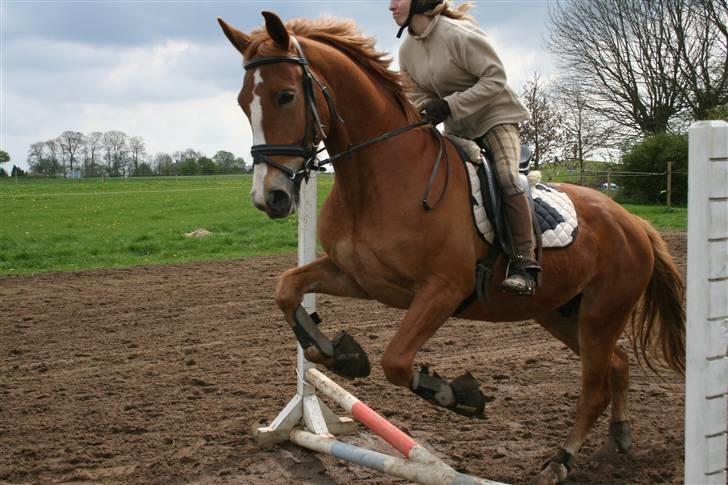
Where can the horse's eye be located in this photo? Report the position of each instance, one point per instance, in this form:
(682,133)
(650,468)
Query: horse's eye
(285,98)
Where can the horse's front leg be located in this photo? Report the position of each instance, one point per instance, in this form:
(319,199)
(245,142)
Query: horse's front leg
(343,355)
(433,304)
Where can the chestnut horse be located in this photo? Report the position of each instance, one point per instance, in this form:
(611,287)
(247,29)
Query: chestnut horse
(310,80)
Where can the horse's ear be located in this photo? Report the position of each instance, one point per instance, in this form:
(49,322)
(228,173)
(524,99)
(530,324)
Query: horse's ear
(276,30)
(238,39)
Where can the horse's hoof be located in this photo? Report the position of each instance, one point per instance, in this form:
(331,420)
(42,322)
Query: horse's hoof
(350,360)
(469,400)
(620,434)
(552,474)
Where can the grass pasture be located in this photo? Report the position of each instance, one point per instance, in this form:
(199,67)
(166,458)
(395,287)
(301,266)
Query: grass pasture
(52,224)
(63,225)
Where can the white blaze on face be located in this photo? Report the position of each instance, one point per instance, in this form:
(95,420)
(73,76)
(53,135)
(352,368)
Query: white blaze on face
(256,121)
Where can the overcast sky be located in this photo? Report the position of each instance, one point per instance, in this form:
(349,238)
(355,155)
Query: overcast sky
(164,71)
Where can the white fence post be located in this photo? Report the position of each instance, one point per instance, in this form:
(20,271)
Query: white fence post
(706,382)
(305,408)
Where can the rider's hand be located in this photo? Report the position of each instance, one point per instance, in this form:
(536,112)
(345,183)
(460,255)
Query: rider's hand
(436,111)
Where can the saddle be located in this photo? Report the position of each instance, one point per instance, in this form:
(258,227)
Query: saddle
(554,216)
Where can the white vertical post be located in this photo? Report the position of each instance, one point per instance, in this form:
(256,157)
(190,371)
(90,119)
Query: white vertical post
(706,383)
(305,409)
(306,254)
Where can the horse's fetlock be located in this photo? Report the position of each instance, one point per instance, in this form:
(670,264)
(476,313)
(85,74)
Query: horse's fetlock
(396,370)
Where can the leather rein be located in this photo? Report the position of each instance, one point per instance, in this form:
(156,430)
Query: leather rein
(307,149)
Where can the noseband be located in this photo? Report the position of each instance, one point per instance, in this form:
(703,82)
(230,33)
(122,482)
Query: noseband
(307,148)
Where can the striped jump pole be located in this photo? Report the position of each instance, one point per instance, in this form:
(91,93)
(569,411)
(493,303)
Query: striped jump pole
(309,423)
(420,465)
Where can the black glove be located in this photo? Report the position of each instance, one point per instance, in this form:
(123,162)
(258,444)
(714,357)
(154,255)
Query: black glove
(436,111)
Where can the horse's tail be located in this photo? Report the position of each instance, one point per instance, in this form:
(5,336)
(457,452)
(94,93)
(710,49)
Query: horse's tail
(658,323)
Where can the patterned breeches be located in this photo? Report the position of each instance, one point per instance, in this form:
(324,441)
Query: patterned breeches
(505,146)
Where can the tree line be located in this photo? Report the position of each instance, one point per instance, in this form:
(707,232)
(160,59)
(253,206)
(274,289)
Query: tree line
(116,154)
(631,76)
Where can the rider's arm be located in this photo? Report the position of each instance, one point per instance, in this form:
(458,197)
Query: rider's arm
(472,51)
(417,95)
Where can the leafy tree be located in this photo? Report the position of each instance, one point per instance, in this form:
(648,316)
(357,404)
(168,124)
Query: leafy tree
(189,167)
(4,158)
(46,167)
(143,170)
(240,165)
(206,166)
(718,113)
(543,130)
(225,161)
(651,156)
(17,172)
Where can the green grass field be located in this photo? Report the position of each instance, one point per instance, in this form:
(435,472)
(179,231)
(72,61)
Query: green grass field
(62,225)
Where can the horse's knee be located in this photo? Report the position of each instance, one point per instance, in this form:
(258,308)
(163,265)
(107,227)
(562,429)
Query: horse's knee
(286,296)
(397,369)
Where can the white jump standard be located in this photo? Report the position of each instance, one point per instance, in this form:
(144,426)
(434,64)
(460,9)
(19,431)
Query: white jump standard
(309,423)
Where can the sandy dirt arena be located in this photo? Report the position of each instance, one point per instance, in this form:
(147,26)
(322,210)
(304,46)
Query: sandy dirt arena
(159,374)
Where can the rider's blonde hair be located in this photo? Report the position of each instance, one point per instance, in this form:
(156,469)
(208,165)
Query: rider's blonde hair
(448,10)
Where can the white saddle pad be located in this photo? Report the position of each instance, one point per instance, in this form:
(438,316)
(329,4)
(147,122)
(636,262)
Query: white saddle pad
(555,212)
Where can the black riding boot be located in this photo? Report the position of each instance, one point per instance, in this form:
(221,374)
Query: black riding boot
(523,266)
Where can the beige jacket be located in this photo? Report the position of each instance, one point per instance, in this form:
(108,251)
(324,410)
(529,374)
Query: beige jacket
(454,60)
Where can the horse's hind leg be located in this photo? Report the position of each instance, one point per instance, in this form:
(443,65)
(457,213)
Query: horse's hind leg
(604,377)
(566,329)
(620,434)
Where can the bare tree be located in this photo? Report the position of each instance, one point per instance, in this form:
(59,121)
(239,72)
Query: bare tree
(36,153)
(164,164)
(543,130)
(54,150)
(115,145)
(700,41)
(137,151)
(621,50)
(584,129)
(70,143)
(93,147)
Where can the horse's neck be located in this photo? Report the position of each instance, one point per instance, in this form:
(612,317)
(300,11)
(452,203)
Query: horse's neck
(368,111)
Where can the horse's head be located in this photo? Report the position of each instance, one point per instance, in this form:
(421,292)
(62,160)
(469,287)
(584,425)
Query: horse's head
(279,100)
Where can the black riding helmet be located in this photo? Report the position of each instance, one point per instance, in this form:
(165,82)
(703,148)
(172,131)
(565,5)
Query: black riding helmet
(418,6)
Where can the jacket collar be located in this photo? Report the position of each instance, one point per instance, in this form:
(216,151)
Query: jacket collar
(433,23)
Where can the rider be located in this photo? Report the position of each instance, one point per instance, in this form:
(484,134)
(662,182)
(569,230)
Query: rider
(457,78)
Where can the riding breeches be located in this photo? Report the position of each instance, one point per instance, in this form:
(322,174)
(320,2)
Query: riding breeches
(505,147)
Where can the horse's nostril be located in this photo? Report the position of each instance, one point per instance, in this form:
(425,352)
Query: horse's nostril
(279,200)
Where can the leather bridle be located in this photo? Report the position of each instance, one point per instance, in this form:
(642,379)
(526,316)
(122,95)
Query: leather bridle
(307,149)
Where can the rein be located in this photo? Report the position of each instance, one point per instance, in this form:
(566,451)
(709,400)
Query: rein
(307,149)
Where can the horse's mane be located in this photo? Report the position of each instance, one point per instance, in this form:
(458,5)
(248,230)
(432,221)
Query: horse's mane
(344,36)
